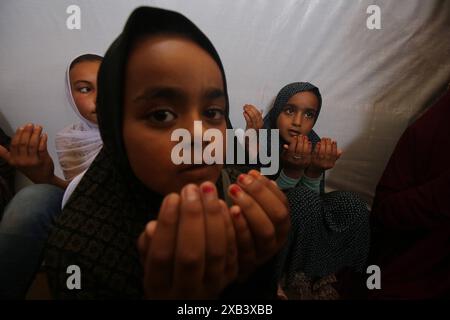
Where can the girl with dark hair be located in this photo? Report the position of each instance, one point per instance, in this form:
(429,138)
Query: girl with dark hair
(330,231)
(137,225)
(304,156)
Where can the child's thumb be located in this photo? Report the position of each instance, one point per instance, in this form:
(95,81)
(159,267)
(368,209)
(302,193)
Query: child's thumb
(339,153)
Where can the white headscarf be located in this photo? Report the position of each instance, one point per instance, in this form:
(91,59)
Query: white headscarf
(78,144)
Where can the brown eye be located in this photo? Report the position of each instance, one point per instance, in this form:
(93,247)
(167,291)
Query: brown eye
(310,115)
(162,116)
(85,89)
(214,113)
(288,110)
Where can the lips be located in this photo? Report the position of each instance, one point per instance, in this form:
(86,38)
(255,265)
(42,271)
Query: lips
(196,173)
(193,167)
(294,132)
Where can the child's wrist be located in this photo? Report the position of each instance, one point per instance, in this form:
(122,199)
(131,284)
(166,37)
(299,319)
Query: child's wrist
(312,172)
(293,173)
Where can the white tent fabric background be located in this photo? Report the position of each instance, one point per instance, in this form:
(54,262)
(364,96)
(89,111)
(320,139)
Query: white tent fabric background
(373,82)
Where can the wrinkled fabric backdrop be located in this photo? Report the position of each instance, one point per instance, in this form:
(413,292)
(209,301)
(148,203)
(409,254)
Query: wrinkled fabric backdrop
(374,82)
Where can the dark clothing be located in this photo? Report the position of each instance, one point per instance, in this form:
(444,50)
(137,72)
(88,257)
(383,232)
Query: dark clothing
(329,233)
(411,211)
(6,176)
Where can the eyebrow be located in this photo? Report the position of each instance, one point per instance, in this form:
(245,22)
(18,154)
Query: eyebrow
(301,108)
(172,93)
(214,93)
(82,81)
(159,92)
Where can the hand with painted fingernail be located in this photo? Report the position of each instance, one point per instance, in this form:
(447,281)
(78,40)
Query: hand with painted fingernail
(261,220)
(324,157)
(189,252)
(28,153)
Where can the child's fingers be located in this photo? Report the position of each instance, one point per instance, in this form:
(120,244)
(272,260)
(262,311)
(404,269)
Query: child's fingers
(334,149)
(323,148)
(309,147)
(275,209)
(190,249)
(4,154)
(244,239)
(231,266)
(247,120)
(299,146)
(249,107)
(329,148)
(25,140)
(316,150)
(245,244)
(272,185)
(255,119)
(259,223)
(272,200)
(161,252)
(14,146)
(216,240)
(306,145)
(33,145)
(43,144)
(256,116)
(293,145)
(260,118)
(252,124)
(339,153)
(145,239)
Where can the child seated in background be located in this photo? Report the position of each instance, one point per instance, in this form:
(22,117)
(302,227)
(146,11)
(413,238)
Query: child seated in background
(330,231)
(76,145)
(29,216)
(304,156)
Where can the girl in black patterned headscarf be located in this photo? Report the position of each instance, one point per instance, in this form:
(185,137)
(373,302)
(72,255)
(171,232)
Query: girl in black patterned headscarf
(294,113)
(330,231)
(137,225)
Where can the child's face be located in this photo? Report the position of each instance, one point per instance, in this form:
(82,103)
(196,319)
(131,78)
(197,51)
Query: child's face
(169,83)
(83,82)
(298,115)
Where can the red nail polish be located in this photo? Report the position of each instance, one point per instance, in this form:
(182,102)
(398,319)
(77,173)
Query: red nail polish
(234,190)
(245,179)
(207,189)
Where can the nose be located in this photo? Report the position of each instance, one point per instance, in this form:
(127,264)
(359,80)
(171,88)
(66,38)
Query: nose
(196,128)
(297,120)
(192,123)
